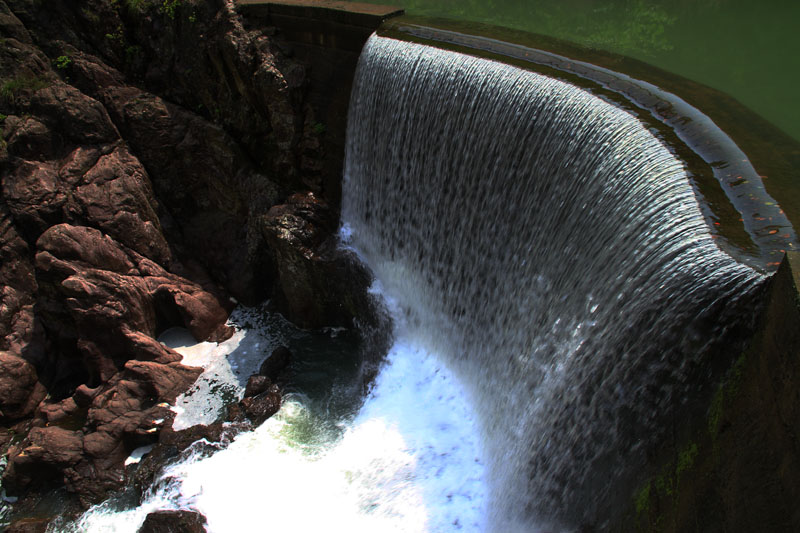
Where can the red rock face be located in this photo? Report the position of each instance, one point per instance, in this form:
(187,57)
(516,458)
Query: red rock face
(144,180)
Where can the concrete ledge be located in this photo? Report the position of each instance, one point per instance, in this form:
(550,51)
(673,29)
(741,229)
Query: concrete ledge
(348,13)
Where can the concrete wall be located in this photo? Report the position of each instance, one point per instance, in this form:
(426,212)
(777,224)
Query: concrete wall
(740,470)
(327,36)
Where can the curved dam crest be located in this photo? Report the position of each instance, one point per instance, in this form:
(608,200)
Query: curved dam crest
(553,251)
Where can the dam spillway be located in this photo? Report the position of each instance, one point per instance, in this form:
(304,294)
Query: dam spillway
(551,249)
(556,295)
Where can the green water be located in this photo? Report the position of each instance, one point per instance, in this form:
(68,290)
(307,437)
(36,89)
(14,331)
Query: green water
(748,49)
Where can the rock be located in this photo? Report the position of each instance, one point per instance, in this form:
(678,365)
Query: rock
(171,443)
(263,406)
(235,413)
(84,396)
(124,205)
(28,525)
(20,390)
(111,297)
(320,285)
(41,457)
(18,287)
(256,384)
(61,413)
(218,190)
(173,522)
(275,363)
(165,381)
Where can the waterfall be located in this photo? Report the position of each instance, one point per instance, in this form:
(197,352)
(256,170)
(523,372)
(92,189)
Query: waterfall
(552,251)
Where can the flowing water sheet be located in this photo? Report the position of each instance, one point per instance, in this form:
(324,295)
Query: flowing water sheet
(552,250)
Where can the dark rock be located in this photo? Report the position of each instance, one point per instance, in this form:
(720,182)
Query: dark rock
(320,285)
(235,413)
(128,412)
(84,396)
(275,363)
(263,406)
(173,522)
(172,443)
(217,193)
(98,173)
(29,525)
(256,384)
(65,412)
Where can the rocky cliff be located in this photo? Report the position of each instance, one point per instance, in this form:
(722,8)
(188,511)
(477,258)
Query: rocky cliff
(159,162)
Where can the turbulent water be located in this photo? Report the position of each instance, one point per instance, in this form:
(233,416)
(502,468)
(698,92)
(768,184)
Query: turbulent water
(556,294)
(551,249)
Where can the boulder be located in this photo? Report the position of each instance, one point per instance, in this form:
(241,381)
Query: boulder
(256,384)
(41,457)
(172,443)
(173,522)
(263,406)
(275,363)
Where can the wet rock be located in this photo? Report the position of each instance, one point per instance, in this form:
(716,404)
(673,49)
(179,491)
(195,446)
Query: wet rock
(173,522)
(127,412)
(263,406)
(256,384)
(235,413)
(172,443)
(275,363)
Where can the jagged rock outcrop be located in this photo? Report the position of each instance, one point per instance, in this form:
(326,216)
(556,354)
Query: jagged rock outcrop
(300,232)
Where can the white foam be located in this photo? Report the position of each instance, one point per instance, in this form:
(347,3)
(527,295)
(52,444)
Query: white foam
(410,461)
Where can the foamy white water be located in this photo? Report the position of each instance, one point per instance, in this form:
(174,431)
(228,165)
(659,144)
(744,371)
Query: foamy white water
(409,460)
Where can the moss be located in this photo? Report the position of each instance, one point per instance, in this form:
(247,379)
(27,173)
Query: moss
(91,16)
(170,8)
(318,128)
(117,37)
(133,54)
(137,6)
(686,460)
(725,392)
(715,411)
(22,83)
(62,62)
(642,501)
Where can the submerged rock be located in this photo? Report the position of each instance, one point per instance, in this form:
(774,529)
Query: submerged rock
(173,522)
